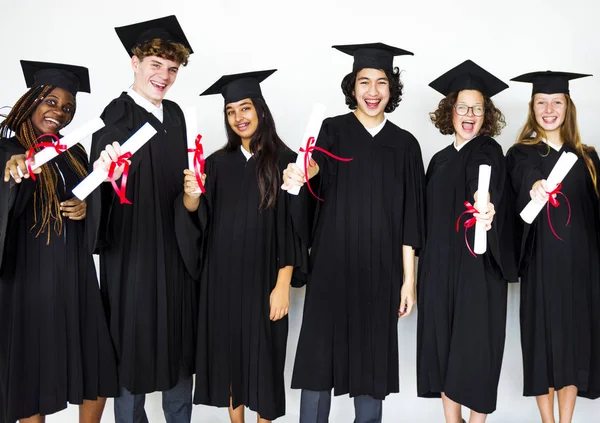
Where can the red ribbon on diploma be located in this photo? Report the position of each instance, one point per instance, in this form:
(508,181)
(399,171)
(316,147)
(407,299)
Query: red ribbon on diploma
(198,162)
(552,200)
(310,147)
(56,146)
(121,161)
(468,223)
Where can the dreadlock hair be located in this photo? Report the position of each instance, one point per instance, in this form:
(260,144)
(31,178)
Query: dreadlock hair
(19,122)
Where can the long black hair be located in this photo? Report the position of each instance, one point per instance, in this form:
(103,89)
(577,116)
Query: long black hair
(264,145)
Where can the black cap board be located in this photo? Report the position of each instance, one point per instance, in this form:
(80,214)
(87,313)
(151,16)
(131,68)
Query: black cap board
(238,86)
(68,77)
(468,76)
(549,82)
(373,55)
(166,29)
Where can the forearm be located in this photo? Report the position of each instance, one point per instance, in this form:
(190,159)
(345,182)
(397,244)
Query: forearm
(408,261)
(191,204)
(284,276)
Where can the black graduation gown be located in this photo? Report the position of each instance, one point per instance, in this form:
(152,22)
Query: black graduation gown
(240,352)
(560,280)
(149,294)
(372,206)
(54,341)
(461,298)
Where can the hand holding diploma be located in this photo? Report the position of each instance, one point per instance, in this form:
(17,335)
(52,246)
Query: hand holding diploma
(117,162)
(16,167)
(538,198)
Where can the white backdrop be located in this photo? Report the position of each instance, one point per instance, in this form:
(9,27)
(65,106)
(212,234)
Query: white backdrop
(229,36)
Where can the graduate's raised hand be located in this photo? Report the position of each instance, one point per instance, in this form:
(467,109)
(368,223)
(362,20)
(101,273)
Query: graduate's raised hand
(539,191)
(407,298)
(293,176)
(191,190)
(110,154)
(17,166)
(279,301)
(486,217)
(74,209)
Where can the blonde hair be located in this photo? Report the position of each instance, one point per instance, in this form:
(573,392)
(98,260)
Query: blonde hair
(532,133)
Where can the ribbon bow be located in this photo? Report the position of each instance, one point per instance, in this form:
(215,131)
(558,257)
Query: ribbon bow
(58,147)
(121,161)
(310,147)
(554,201)
(198,162)
(468,223)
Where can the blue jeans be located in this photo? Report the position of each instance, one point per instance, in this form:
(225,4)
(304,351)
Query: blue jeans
(177,404)
(315,405)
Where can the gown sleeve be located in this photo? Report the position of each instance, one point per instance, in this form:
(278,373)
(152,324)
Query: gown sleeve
(292,248)
(191,227)
(501,253)
(414,195)
(120,124)
(13,197)
(524,169)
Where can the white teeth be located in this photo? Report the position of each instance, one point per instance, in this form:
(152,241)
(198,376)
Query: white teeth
(53,121)
(159,85)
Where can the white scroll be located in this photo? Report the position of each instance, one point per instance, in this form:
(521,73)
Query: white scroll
(558,173)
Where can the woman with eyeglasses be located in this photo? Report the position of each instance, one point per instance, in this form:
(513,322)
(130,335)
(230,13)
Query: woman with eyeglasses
(559,263)
(461,295)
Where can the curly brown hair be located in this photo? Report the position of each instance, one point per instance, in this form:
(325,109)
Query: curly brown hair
(169,50)
(493,120)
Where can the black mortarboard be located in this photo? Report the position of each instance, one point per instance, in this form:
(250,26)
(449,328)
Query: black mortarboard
(239,86)
(374,55)
(549,82)
(468,76)
(166,29)
(68,77)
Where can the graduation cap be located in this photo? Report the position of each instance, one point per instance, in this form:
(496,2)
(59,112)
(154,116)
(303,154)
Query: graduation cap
(549,82)
(239,86)
(374,55)
(166,29)
(468,76)
(68,77)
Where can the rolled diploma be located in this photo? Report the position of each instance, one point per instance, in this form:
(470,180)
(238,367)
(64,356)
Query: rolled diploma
(48,153)
(191,129)
(558,173)
(132,145)
(312,130)
(483,187)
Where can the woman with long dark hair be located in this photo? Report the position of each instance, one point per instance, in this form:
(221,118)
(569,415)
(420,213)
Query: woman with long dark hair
(54,342)
(246,252)
(559,264)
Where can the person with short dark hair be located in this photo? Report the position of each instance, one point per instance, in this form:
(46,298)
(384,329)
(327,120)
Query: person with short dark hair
(149,294)
(55,347)
(559,263)
(461,295)
(364,237)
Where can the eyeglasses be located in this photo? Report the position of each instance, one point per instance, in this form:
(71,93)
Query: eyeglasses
(463,109)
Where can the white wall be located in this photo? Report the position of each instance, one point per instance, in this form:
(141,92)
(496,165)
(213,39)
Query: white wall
(508,38)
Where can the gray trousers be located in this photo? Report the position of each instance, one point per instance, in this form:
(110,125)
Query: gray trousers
(315,405)
(176,402)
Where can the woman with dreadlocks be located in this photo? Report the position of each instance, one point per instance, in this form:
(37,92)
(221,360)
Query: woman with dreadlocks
(54,342)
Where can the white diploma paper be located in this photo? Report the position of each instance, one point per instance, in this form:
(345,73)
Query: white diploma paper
(133,144)
(191,129)
(483,187)
(312,130)
(48,153)
(558,173)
